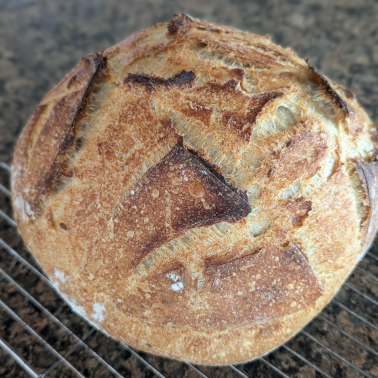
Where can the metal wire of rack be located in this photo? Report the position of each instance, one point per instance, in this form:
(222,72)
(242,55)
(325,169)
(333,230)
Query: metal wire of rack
(349,323)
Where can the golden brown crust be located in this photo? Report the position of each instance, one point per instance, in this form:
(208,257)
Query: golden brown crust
(197,191)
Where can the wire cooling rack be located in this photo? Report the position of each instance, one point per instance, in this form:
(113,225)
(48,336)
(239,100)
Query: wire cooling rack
(41,337)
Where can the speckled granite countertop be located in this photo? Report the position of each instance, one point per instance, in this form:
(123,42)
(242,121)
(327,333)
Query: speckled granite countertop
(41,40)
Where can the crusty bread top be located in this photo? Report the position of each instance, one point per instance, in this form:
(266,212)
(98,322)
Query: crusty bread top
(197,191)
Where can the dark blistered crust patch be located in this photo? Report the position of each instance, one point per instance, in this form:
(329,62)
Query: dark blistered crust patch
(178,194)
(47,143)
(298,209)
(368,174)
(325,84)
(244,123)
(151,82)
(264,285)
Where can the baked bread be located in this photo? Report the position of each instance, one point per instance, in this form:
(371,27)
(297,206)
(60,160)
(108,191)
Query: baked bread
(197,191)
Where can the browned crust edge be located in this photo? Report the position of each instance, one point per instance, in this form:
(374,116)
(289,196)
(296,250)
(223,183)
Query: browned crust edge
(368,174)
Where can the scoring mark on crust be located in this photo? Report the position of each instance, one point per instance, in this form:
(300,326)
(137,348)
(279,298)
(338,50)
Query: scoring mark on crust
(176,195)
(53,138)
(266,284)
(271,282)
(151,82)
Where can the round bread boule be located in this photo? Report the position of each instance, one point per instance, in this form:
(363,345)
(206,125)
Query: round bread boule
(197,191)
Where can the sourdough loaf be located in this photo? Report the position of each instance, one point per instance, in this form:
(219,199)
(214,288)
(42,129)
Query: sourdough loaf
(197,191)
